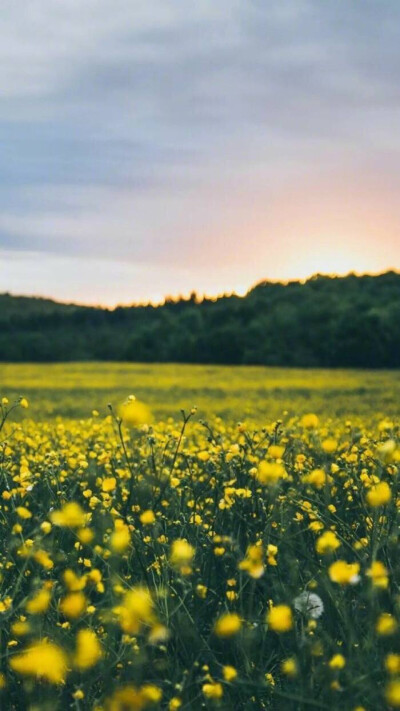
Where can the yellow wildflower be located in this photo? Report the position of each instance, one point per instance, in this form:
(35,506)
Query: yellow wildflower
(39,603)
(42,660)
(337,661)
(310,421)
(181,553)
(379,495)
(280,618)
(73,605)
(213,690)
(253,562)
(121,538)
(227,625)
(392,693)
(134,413)
(71,515)
(23,512)
(147,517)
(289,667)
(108,484)
(327,543)
(386,624)
(378,574)
(392,663)
(88,650)
(229,673)
(344,573)
(270,473)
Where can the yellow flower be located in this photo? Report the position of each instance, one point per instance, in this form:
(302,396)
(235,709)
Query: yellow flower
(71,515)
(309,421)
(181,553)
(147,517)
(174,704)
(88,650)
(43,660)
(386,624)
(392,663)
(329,445)
(73,581)
(280,618)
(392,693)
(78,694)
(24,403)
(85,535)
(316,478)
(289,667)
(379,495)
(327,543)
(43,558)
(73,605)
(39,603)
(227,625)
(23,512)
(136,610)
(253,562)
(276,451)
(109,484)
(378,574)
(213,690)
(134,413)
(337,661)
(130,698)
(20,628)
(151,693)
(229,673)
(121,538)
(344,573)
(270,473)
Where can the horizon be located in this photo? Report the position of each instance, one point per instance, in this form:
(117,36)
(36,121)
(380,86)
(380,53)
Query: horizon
(201,297)
(161,148)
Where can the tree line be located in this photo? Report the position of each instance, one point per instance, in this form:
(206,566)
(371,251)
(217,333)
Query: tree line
(351,321)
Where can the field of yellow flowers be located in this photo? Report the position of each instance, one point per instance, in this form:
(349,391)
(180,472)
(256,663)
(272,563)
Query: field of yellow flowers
(184,563)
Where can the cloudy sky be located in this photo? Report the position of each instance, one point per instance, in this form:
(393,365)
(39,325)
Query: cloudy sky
(152,147)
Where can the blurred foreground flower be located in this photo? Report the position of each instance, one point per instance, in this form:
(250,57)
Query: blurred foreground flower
(280,618)
(43,660)
(88,650)
(227,625)
(71,515)
(134,413)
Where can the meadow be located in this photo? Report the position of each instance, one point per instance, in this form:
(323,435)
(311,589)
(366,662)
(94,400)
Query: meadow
(73,390)
(227,539)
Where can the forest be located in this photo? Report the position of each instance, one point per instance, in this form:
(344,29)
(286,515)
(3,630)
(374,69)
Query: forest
(351,321)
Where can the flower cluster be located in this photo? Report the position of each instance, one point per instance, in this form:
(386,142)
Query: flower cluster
(168,565)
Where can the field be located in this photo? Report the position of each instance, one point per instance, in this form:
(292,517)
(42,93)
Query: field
(241,555)
(258,394)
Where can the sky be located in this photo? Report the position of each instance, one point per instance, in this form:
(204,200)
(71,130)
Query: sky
(155,147)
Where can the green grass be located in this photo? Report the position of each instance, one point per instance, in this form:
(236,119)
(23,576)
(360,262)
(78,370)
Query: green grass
(254,393)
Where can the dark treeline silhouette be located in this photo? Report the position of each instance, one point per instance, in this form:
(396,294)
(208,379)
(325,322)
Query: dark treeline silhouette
(347,321)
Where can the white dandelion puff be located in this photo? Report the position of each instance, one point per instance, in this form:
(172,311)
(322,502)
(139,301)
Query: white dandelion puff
(310,604)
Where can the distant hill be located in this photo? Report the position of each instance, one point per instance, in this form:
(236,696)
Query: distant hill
(351,321)
(14,306)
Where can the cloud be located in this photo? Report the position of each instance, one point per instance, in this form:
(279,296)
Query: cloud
(167,132)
